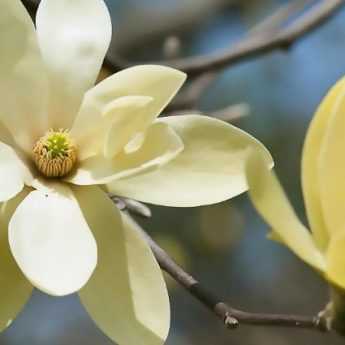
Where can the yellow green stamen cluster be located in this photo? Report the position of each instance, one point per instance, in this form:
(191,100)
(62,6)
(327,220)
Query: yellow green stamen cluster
(54,154)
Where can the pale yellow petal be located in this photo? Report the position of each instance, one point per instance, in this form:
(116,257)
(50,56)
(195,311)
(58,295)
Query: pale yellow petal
(310,164)
(74,37)
(336,260)
(158,82)
(161,145)
(126,296)
(23,87)
(13,173)
(271,202)
(107,133)
(15,289)
(51,241)
(126,126)
(210,169)
(332,166)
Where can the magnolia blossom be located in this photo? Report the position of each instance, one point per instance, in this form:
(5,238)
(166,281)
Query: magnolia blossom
(65,143)
(323,171)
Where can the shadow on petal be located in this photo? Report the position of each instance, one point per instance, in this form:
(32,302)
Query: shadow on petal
(126,296)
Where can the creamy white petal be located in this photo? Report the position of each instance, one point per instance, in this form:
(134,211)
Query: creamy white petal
(161,144)
(125,127)
(158,82)
(15,289)
(51,241)
(110,131)
(310,164)
(13,173)
(332,167)
(74,36)
(23,87)
(126,296)
(271,202)
(210,169)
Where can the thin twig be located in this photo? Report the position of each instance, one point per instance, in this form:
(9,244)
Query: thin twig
(231,113)
(136,207)
(231,317)
(252,46)
(275,20)
(189,98)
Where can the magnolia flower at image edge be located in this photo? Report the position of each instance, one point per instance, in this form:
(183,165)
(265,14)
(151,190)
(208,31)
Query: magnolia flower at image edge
(65,143)
(323,171)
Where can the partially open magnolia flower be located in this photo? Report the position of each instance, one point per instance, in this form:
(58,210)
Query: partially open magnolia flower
(323,171)
(65,142)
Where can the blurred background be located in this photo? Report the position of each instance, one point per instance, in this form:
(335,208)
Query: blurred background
(224,245)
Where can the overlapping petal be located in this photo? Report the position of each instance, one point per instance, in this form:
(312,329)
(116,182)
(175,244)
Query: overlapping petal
(15,290)
(332,166)
(310,164)
(158,82)
(210,169)
(336,259)
(51,241)
(23,85)
(107,133)
(13,173)
(126,296)
(271,202)
(161,144)
(74,36)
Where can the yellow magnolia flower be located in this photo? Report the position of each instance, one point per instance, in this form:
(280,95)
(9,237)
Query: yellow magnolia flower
(63,142)
(323,171)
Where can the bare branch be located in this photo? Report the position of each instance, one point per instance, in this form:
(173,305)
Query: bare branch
(280,16)
(231,113)
(189,98)
(253,45)
(136,207)
(231,317)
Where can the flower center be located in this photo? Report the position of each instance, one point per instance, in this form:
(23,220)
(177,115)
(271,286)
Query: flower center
(54,153)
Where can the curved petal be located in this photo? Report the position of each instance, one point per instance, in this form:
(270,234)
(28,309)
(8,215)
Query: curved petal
(271,202)
(74,36)
(210,169)
(158,82)
(13,173)
(310,164)
(332,167)
(15,289)
(161,144)
(110,132)
(336,260)
(21,69)
(126,296)
(51,241)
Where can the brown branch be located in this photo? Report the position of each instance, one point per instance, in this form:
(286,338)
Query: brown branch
(253,45)
(231,113)
(231,317)
(130,205)
(275,20)
(192,93)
